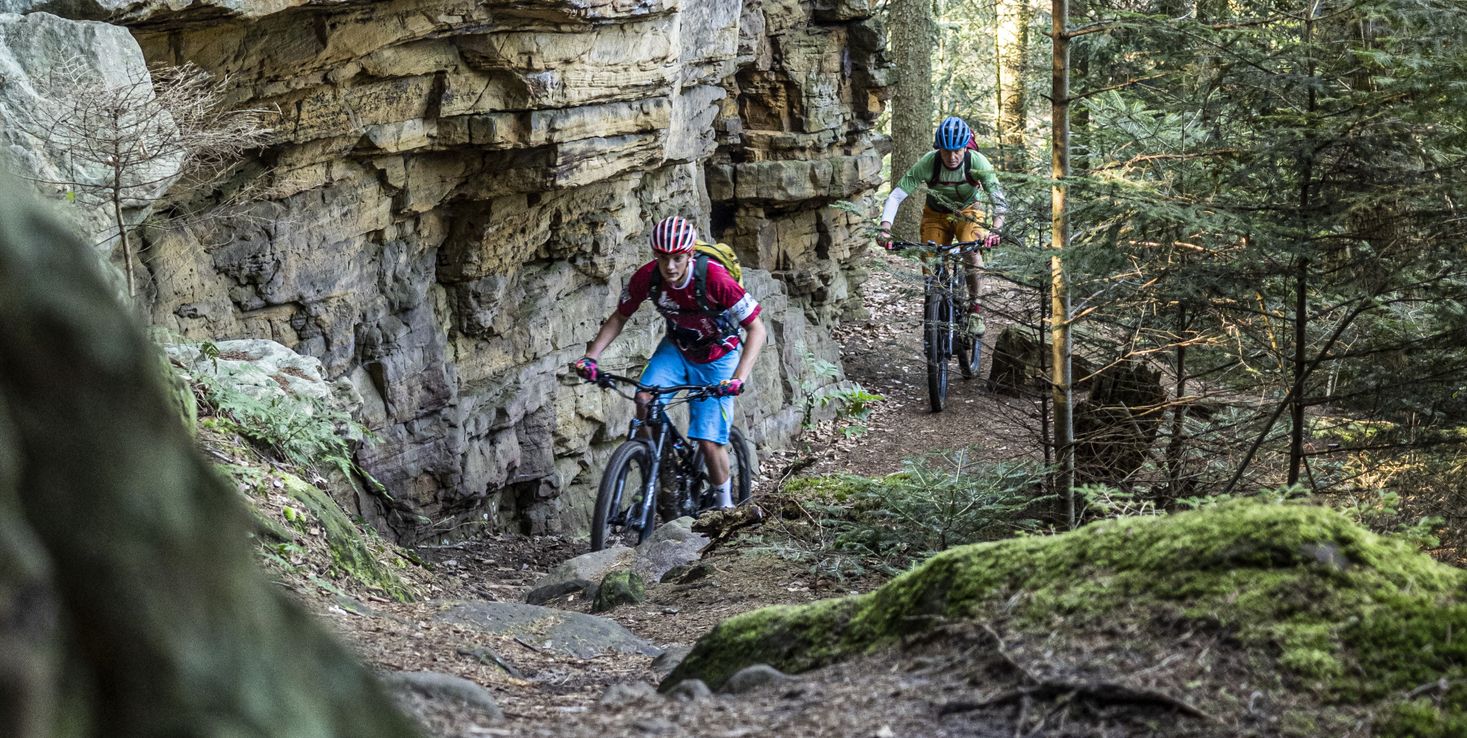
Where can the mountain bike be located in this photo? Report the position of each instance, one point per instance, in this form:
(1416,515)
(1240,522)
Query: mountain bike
(947,330)
(657,469)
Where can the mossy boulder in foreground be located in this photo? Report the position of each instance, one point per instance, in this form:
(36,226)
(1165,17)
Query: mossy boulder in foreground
(1313,603)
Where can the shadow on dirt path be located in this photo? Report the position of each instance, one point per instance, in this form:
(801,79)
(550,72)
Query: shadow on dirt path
(884,354)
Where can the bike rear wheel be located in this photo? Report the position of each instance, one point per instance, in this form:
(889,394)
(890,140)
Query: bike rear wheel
(741,466)
(740,469)
(617,519)
(937,333)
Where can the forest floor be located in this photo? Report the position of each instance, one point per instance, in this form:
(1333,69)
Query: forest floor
(926,690)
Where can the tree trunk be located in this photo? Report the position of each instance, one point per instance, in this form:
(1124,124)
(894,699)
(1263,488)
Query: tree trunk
(1060,349)
(1301,266)
(1177,443)
(117,219)
(1012,43)
(912,35)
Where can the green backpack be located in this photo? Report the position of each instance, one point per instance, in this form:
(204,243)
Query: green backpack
(702,253)
(725,256)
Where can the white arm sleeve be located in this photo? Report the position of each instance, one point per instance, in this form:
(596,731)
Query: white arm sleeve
(893,201)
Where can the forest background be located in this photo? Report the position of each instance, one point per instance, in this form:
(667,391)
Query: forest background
(1260,257)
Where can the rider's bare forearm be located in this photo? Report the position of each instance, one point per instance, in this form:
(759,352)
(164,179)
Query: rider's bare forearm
(610,329)
(754,337)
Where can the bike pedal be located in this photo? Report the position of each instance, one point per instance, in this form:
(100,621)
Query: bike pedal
(975,325)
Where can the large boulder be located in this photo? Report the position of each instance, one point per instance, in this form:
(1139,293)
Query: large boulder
(1357,628)
(457,197)
(55,70)
(130,600)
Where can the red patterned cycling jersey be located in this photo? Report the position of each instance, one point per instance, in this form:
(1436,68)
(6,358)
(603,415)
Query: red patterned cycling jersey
(695,332)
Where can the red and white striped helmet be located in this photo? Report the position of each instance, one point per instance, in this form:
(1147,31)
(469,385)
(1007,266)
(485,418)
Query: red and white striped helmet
(673,235)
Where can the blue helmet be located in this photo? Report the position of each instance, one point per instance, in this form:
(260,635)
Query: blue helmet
(952,134)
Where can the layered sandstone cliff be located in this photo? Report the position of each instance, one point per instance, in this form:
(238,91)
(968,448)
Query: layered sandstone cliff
(458,191)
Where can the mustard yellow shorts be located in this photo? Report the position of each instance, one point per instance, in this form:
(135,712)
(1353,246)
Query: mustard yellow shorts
(944,228)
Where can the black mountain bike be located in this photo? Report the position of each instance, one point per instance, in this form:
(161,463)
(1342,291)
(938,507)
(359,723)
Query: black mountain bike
(946,330)
(657,458)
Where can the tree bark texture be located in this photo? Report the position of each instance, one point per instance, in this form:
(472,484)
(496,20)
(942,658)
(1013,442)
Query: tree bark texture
(912,37)
(1012,43)
(1301,266)
(130,601)
(1059,295)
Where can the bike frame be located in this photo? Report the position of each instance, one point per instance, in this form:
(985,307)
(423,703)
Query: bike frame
(943,282)
(662,429)
(946,271)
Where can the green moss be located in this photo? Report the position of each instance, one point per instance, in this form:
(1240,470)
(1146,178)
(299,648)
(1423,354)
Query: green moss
(793,637)
(1347,614)
(836,487)
(349,550)
(621,587)
(1421,718)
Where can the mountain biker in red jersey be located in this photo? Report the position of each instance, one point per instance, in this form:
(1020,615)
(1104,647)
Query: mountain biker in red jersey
(960,181)
(703,311)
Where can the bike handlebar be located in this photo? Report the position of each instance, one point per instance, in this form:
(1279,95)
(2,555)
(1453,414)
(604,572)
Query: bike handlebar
(695,391)
(956,247)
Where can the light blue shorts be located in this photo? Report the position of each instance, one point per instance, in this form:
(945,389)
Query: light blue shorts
(707,419)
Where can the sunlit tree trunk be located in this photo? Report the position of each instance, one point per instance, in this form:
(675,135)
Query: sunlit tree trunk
(1301,267)
(912,35)
(1059,295)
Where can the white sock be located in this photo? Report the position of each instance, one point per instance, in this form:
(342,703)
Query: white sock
(724,493)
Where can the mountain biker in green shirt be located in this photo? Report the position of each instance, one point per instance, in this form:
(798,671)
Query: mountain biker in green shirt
(960,183)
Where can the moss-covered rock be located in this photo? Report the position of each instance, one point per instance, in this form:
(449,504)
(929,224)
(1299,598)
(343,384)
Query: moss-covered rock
(293,517)
(350,552)
(1340,612)
(622,587)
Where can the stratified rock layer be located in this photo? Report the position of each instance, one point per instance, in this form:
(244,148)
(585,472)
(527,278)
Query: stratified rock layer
(459,190)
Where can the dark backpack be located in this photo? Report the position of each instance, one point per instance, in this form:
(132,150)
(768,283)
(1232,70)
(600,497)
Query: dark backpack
(966,166)
(727,325)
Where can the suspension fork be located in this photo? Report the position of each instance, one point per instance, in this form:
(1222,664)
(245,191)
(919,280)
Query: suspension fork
(943,284)
(652,483)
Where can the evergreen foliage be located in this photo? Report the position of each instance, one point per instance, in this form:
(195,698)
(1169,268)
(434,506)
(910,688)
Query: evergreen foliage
(1265,208)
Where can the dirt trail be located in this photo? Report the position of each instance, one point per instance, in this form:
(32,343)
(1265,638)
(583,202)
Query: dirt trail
(884,354)
(552,695)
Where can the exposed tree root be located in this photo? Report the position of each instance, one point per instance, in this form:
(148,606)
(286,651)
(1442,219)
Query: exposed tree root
(1102,692)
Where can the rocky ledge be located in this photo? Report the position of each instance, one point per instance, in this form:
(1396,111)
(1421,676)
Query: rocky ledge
(457,191)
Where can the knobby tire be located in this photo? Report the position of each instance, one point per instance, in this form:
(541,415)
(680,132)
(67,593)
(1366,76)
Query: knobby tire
(616,502)
(936,331)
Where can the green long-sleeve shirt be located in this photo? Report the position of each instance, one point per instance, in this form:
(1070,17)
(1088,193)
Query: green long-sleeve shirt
(952,191)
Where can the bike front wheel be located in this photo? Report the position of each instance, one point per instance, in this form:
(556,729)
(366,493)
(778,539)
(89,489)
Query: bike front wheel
(618,518)
(937,334)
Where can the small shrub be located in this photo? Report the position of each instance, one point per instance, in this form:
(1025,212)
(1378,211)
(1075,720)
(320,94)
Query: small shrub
(302,431)
(848,525)
(853,403)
